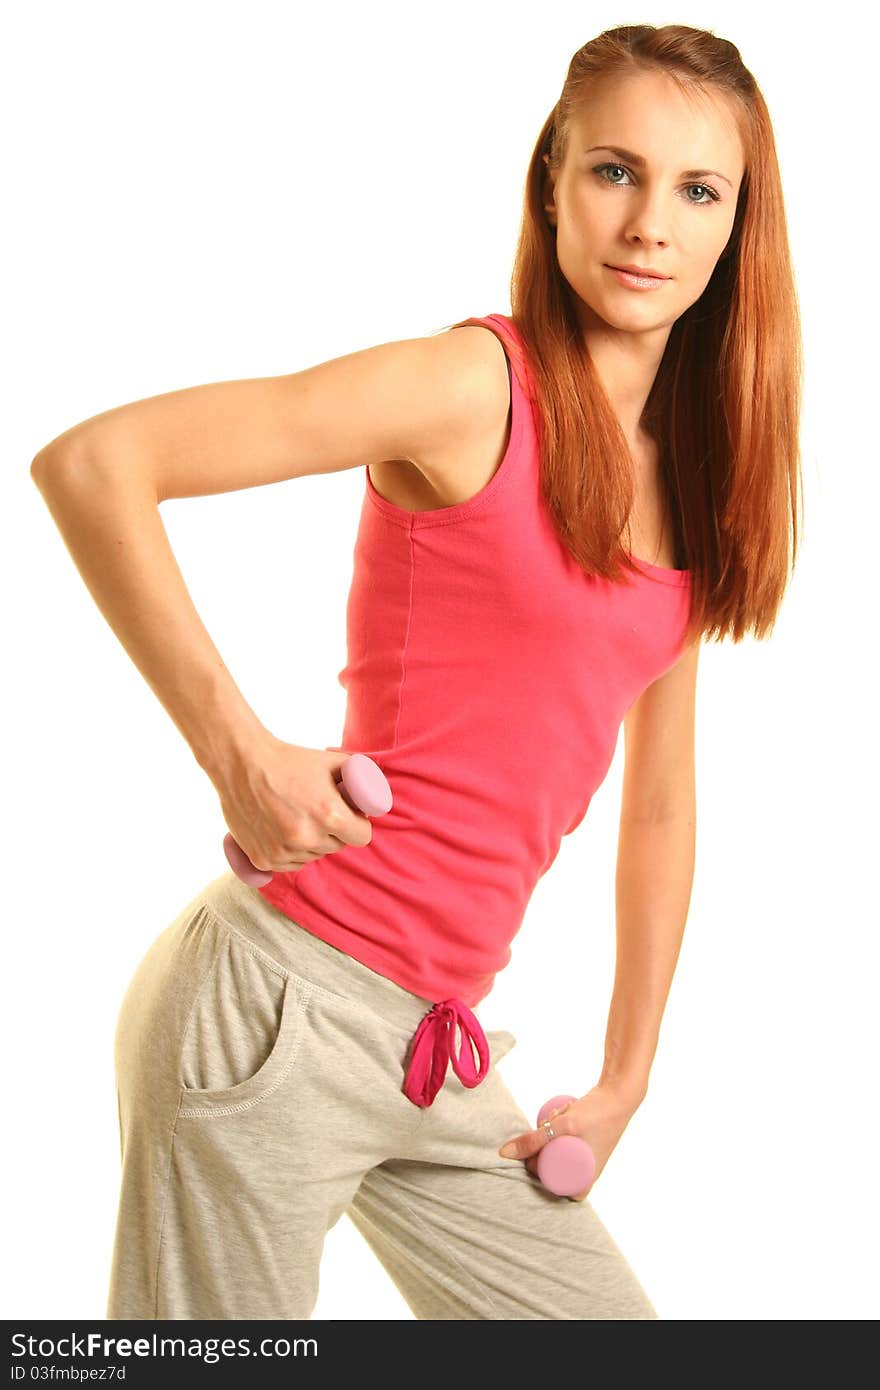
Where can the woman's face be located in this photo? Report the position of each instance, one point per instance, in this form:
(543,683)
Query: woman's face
(651,214)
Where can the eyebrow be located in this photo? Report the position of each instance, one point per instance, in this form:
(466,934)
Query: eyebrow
(639,160)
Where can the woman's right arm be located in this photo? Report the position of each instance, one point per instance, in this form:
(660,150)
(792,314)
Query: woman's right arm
(111,525)
(103,481)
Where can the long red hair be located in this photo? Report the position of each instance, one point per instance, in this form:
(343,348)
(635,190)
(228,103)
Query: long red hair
(725,405)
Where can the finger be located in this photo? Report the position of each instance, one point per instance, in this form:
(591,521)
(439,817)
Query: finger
(534,1139)
(355,829)
(525,1144)
(512,1148)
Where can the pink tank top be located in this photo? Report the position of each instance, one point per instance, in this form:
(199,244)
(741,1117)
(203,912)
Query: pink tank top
(488,677)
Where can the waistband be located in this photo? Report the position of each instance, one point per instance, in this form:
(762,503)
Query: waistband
(324,965)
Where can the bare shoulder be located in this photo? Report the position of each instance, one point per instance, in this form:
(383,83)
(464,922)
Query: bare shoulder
(469,367)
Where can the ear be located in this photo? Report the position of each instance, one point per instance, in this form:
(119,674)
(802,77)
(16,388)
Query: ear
(547,192)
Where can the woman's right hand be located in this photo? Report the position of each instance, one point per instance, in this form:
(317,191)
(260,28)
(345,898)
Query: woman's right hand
(284,806)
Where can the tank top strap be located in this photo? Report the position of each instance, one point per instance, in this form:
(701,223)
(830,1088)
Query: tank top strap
(522,456)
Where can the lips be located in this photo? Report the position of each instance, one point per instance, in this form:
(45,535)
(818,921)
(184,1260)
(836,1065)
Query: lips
(637,270)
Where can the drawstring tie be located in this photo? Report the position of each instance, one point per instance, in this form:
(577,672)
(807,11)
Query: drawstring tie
(434,1045)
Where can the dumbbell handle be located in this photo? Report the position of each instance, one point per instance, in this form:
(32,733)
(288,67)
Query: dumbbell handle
(364,786)
(567,1164)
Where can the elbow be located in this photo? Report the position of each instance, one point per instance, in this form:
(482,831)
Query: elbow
(675,808)
(47,460)
(55,460)
(40,467)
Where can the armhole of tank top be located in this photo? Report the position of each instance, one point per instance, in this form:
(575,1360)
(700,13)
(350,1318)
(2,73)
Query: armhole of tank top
(510,462)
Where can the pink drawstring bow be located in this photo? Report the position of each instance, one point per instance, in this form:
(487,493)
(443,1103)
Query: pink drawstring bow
(434,1045)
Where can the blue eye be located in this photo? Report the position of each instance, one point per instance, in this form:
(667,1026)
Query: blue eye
(702,203)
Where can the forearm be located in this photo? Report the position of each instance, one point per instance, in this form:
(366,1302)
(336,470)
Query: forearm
(655,864)
(109,520)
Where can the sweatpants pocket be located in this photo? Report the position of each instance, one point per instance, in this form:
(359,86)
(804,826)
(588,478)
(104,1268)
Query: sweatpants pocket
(240,1039)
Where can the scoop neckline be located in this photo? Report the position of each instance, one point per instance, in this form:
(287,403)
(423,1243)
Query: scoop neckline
(664,572)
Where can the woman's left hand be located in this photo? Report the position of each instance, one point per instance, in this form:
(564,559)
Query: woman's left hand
(599,1117)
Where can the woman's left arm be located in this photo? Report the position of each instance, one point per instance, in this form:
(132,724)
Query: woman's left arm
(655,867)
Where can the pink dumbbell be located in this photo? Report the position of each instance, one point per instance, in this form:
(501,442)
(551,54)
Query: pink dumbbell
(567,1164)
(364,786)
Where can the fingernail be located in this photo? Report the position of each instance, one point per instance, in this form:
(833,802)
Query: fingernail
(506,1151)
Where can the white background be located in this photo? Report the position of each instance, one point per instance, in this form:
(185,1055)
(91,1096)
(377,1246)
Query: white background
(198,192)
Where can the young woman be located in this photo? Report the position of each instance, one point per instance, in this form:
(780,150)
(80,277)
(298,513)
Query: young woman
(559,504)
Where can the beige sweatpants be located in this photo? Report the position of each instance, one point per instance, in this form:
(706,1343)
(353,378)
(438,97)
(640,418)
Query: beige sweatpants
(258,1076)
